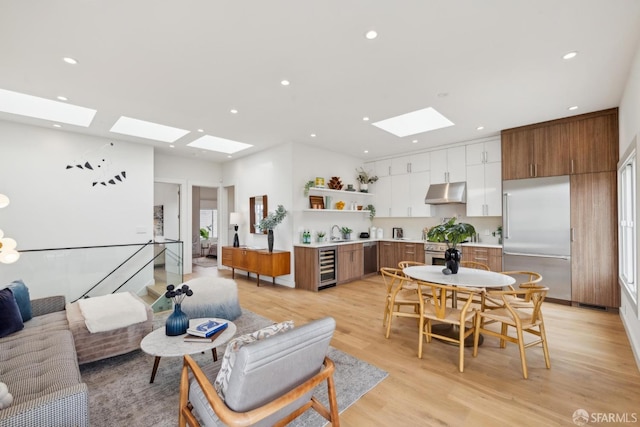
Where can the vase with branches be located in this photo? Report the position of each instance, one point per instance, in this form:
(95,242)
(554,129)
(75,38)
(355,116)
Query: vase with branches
(270,222)
(365,178)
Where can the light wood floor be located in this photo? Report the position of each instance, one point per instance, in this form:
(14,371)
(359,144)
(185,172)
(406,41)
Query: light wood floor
(592,366)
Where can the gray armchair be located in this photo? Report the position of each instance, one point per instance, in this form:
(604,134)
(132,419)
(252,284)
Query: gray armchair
(271,382)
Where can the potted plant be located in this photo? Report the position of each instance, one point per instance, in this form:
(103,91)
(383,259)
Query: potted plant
(307,186)
(270,222)
(320,235)
(346,233)
(452,234)
(499,233)
(372,211)
(204,233)
(365,178)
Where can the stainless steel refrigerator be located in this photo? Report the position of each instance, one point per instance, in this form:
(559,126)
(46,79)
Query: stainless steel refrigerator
(536,228)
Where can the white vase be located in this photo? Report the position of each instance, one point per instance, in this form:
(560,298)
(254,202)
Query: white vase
(364,188)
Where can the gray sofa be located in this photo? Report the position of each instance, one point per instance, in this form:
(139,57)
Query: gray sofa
(40,367)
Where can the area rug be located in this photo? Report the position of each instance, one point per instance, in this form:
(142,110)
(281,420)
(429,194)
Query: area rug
(205,262)
(120,393)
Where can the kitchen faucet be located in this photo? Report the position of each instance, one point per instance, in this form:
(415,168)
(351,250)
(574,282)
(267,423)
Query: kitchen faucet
(335,238)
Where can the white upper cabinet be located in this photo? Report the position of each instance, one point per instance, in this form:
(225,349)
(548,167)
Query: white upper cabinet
(410,164)
(382,168)
(448,165)
(484,179)
(484,152)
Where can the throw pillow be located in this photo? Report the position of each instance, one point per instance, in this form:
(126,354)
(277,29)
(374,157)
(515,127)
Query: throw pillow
(10,318)
(5,397)
(230,354)
(21,294)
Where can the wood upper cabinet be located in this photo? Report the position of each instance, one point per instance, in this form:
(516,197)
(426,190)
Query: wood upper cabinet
(580,144)
(533,152)
(350,262)
(596,147)
(594,243)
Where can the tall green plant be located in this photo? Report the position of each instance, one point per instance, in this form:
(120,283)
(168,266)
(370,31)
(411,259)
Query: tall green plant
(451,233)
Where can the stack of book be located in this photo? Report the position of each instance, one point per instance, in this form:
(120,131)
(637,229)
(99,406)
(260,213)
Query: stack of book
(206,331)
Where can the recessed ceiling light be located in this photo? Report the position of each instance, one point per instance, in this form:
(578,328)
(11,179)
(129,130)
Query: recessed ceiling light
(573,107)
(285,83)
(47,109)
(172,146)
(443,95)
(69,60)
(147,130)
(200,130)
(570,55)
(366,151)
(62,98)
(233,111)
(414,122)
(370,35)
(480,128)
(366,119)
(229,156)
(313,135)
(56,125)
(222,145)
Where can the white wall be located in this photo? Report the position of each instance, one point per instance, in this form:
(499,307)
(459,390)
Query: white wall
(53,206)
(629,115)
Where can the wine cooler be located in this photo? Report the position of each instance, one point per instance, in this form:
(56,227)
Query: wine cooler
(328,267)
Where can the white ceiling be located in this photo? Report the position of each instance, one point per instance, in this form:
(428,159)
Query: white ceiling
(495,63)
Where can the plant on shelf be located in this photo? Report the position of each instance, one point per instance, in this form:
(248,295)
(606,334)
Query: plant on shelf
(365,177)
(307,186)
(270,222)
(372,211)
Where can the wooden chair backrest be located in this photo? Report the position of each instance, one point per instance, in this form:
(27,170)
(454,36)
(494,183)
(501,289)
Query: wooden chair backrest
(475,264)
(440,296)
(392,277)
(535,296)
(405,264)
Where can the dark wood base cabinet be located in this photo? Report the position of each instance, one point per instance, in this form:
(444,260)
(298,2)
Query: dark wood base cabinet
(259,262)
(391,253)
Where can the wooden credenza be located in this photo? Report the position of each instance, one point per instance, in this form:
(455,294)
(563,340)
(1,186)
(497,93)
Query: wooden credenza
(259,262)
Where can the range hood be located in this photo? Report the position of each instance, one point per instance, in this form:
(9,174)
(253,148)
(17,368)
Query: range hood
(450,192)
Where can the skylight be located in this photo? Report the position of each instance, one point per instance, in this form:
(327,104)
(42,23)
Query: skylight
(213,143)
(47,109)
(148,130)
(415,122)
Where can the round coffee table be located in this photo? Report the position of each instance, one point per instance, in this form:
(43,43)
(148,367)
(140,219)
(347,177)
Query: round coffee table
(157,343)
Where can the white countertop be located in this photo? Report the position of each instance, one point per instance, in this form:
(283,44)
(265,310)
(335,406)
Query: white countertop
(348,242)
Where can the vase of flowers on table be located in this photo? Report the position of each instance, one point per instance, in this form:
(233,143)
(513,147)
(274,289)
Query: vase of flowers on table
(177,322)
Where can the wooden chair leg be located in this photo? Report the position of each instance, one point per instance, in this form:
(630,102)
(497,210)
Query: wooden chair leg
(523,356)
(389,325)
(420,339)
(461,348)
(476,335)
(545,349)
(503,331)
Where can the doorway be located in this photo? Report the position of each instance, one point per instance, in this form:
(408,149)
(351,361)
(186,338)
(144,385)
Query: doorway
(205,229)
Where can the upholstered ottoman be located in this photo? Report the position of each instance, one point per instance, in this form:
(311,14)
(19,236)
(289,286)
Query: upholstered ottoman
(212,297)
(92,346)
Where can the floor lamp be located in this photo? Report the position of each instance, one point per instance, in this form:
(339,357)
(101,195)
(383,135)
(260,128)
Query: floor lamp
(235,219)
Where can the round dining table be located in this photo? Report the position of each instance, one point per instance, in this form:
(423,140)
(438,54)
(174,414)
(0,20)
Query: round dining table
(466,277)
